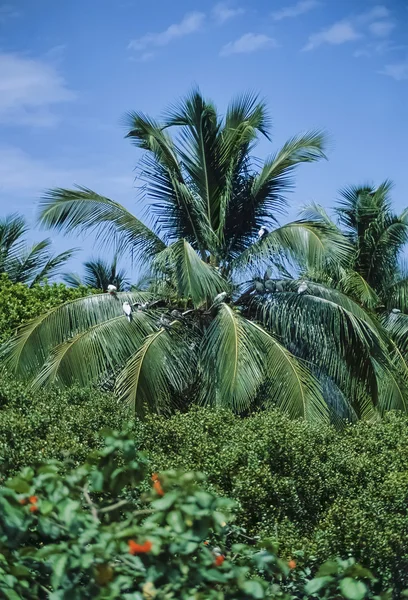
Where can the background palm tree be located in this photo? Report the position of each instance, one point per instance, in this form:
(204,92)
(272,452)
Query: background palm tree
(23,263)
(205,334)
(98,275)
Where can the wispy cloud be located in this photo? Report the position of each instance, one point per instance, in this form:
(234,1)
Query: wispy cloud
(8,11)
(190,23)
(375,13)
(373,23)
(381,28)
(222,12)
(29,88)
(247,43)
(398,71)
(289,12)
(339,33)
(40,174)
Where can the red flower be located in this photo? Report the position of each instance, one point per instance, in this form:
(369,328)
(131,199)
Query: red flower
(155,477)
(33,508)
(23,501)
(292,564)
(33,499)
(135,548)
(206,543)
(219,560)
(157,486)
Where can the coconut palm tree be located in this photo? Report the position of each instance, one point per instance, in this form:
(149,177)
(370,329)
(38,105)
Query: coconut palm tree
(23,263)
(373,276)
(98,275)
(212,330)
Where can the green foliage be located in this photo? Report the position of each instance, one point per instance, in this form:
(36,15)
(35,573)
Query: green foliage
(19,303)
(325,492)
(93,533)
(322,493)
(83,535)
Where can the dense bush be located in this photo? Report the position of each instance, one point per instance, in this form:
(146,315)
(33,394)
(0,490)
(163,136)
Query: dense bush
(20,303)
(63,425)
(321,492)
(91,533)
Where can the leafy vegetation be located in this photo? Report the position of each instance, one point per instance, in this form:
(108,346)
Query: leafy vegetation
(20,303)
(91,533)
(98,275)
(24,264)
(321,492)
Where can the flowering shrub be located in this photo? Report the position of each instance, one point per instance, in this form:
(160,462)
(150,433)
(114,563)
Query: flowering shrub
(93,534)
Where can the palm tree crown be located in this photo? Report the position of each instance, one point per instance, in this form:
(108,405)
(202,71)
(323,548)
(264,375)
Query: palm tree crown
(24,264)
(212,327)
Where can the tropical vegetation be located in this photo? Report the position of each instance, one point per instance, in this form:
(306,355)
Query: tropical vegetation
(98,275)
(243,312)
(95,532)
(23,263)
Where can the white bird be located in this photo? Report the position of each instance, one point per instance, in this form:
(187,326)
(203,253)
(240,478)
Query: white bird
(112,289)
(302,288)
(220,298)
(127,309)
(396,311)
(262,232)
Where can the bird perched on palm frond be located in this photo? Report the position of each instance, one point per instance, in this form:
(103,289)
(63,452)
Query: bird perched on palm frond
(220,298)
(112,289)
(262,232)
(127,309)
(302,288)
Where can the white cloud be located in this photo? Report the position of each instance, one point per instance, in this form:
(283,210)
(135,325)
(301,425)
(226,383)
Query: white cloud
(39,174)
(398,71)
(296,10)
(29,88)
(375,13)
(249,42)
(222,12)
(190,23)
(381,28)
(339,33)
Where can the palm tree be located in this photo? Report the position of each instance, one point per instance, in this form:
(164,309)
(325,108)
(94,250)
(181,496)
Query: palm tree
(373,276)
(99,274)
(212,329)
(24,264)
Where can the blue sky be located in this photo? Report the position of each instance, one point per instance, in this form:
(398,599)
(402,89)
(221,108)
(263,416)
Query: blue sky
(70,70)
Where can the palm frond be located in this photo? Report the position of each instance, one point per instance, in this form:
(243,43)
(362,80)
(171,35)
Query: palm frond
(106,345)
(246,361)
(193,277)
(26,353)
(83,210)
(306,243)
(53,265)
(163,365)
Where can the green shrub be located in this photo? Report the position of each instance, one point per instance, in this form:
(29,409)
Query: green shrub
(321,492)
(62,425)
(20,303)
(91,533)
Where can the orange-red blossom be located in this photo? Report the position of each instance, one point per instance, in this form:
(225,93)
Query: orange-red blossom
(135,548)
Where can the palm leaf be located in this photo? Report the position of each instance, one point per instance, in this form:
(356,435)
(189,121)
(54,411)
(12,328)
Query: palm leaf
(106,345)
(26,353)
(83,210)
(193,277)
(245,359)
(163,365)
